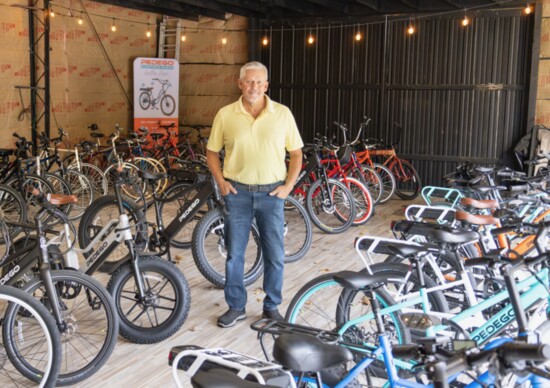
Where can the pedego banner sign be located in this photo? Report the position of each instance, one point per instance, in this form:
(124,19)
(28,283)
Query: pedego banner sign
(156,90)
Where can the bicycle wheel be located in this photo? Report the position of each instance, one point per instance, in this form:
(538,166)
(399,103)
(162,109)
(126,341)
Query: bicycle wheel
(167,105)
(144,100)
(90,323)
(12,208)
(210,254)
(28,183)
(95,175)
(407,180)
(298,230)
(330,206)
(363,201)
(373,183)
(321,303)
(174,201)
(166,304)
(82,188)
(30,337)
(388,182)
(98,215)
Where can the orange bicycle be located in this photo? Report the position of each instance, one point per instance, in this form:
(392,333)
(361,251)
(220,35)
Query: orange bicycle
(406,178)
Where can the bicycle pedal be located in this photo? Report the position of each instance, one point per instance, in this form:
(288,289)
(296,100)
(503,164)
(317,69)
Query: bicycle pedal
(418,321)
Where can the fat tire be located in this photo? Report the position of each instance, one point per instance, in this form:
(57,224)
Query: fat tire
(213,217)
(139,334)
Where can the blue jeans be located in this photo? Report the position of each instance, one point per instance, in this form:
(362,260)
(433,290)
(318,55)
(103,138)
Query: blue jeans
(268,211)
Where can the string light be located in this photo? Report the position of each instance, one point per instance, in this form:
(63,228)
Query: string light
(528,9)
(358,36)
(265,41)
(224,39)
(310,38)
(113,27)
(52,13)
(80,21)
(183,37)
(411,29)
(465,21)
(148,33)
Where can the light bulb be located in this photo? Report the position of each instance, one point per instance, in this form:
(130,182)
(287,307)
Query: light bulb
(410,30)
(52,13)
(265,41)
(528,9)
(310,39)
(113,28)
(80,21)
(148,33)
(358,36)
(465,21)
(183,38)
(224,40)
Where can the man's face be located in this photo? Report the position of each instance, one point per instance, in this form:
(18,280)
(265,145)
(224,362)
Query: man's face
(253,85)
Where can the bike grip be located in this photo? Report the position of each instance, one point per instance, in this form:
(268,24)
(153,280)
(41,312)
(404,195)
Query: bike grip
(519,351)
(406,352)
(481,261)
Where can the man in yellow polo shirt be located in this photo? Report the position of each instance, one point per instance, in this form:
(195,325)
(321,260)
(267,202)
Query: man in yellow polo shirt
(256,134)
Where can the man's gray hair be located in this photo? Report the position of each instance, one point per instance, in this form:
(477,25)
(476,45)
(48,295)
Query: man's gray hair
(252,66)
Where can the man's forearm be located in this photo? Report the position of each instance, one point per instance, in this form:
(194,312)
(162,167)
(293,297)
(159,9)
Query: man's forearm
(294,167)
(213,161)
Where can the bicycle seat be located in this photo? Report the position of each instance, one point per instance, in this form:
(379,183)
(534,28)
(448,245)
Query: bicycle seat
(151,176)
(476,219)
(62,199)
(479,203)
(485,170)
(96,134)
(486,189)
(222,378)
(436,232)
(359,280)
(157,136)
(306,353)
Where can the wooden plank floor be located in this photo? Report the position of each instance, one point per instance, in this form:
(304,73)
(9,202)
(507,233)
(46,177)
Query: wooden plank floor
(135,366)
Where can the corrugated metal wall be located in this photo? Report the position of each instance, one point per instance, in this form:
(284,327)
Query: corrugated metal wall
(459,93)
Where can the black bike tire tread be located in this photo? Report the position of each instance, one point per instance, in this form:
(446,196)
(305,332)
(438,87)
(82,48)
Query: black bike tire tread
(172,327)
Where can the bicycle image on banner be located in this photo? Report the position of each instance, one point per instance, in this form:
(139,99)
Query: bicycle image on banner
(156,87)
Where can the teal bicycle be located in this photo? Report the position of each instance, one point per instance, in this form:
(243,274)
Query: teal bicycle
(324,303)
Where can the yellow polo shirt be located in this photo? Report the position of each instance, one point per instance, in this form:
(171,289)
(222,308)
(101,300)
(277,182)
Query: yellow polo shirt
(254,148)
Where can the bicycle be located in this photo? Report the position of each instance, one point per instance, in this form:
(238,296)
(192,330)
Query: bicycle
(83,311)
(165,101)
(329,202)
(407,180)
(362,151)
(35,336)
(34,339)
(11,173)
(151,295)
